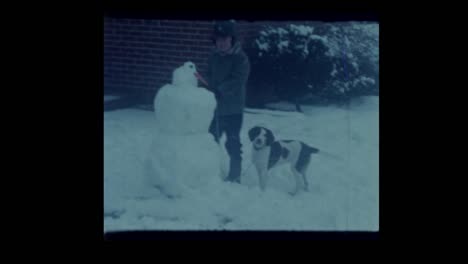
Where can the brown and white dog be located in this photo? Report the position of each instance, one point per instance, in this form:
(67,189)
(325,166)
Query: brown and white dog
(268,153)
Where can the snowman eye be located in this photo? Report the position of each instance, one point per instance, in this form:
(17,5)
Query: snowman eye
(191,66)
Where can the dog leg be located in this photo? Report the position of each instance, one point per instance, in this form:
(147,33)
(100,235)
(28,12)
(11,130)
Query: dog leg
(302,172)
(306,184)
(297,177)
(262,175)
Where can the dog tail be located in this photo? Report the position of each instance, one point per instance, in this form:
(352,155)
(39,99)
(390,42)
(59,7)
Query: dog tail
(310,149)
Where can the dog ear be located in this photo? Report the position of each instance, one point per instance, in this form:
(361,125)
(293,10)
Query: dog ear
(270,138)
(253,133)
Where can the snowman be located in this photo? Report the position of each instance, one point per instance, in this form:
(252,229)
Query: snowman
(183,155)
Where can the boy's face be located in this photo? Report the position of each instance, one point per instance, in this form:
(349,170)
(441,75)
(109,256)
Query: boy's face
(223,43)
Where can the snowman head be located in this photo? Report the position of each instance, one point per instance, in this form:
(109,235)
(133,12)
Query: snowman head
(184,76)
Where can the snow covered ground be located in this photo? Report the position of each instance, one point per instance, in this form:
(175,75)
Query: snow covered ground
(108,98)
(343,177)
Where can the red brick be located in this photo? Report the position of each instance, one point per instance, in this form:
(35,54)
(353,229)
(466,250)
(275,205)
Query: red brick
(200,49)
(143,28)
(136,21)
(150,45)
(172,35)
(171,29)
(174,23)
(118,63)
(122,21)
(202,24)
(189,42)
(206,32)
(181,47)
(126,28)
(142,51)
(143,61)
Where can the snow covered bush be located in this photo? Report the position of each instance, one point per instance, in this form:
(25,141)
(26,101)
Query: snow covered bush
(330,61)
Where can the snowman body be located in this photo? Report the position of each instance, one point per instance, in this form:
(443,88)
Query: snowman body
(183,154)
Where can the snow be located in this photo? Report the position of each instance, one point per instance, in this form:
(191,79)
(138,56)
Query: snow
(334,71)
(364,80)
(283,44)
(372,29)
(184,75)
(182,107)
(351,37)
(347,42)
(282,31)
(108,98)
(301,29)
(317,37)
(367,79)
(282,106)
(343,177)
(333,48)
(262,46)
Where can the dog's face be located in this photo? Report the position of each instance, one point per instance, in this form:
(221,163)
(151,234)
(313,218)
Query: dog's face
(261,137)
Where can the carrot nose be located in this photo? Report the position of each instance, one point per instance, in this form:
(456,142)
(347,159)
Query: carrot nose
(199,77)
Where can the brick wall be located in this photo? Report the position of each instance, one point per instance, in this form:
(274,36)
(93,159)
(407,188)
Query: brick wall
(140,54)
